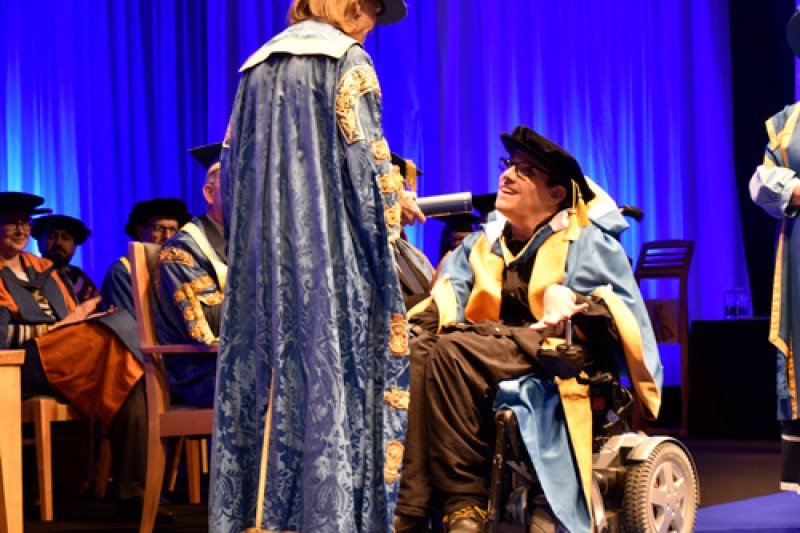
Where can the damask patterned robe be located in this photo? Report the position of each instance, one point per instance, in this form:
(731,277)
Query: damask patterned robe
(771,188)
(191,281)
(314,344)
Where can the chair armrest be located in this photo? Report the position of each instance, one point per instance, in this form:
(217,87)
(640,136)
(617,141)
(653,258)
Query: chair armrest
(181,348)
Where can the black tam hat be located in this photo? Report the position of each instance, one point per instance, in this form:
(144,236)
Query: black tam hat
(73,226)
(22,202)
(158,207)
(552,159)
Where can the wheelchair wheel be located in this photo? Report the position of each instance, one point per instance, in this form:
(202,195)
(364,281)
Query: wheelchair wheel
(661,492)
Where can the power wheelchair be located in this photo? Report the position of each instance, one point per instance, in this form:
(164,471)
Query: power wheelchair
(640,483)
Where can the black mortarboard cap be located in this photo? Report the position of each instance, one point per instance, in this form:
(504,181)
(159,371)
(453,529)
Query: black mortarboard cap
(73,226)
(22,202)
(403,164)
(207,155)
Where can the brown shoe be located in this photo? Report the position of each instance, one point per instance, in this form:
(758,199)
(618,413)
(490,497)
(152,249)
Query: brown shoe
(467,520)
(410,524)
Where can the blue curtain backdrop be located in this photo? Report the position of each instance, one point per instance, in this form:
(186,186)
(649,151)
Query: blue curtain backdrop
(102,99)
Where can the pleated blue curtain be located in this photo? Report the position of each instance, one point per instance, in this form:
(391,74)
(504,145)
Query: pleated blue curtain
(103,98)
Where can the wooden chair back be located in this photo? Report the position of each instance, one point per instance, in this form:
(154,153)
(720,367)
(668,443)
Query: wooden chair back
(661,260)
(164,420)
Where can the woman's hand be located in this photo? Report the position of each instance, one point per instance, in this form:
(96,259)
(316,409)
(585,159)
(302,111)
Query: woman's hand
(559,305)
(411,211)
(83,311)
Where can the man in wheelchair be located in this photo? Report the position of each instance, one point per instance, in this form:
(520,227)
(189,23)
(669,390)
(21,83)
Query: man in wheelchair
(495,314)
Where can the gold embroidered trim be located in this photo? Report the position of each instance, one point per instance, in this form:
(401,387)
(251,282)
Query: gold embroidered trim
(193,315)
(380,149)
(398,335)
(393,216)
(175,256)
(394,458)
(392,182)
(397,398)
(355,83)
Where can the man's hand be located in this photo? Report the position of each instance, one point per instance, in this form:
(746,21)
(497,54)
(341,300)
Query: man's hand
(559,305)
(411,211)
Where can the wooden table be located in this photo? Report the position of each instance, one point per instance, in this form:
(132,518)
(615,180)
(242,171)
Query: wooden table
(10,441)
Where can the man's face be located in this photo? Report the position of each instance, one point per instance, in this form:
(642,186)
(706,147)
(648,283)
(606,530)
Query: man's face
(57,245)
(158,229)
(523,195)
(213,195)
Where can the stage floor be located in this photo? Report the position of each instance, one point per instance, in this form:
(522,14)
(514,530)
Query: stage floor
(738,488)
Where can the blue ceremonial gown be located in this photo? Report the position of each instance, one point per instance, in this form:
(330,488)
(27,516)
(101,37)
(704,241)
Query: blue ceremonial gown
(314,343)
(191,278)
(771,187)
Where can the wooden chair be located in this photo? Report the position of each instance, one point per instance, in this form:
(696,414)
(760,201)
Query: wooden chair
(42,412)
(660,260)
(164,419)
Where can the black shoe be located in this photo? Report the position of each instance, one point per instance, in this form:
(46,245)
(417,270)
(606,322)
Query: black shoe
(130,510)
(410,524)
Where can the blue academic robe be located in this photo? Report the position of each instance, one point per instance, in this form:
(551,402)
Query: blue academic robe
(191,280)
(555,418)
(313,362)
(771,188)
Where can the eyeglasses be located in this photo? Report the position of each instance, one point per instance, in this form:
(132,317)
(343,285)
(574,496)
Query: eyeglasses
(524,170)
(11,224)
(163,230)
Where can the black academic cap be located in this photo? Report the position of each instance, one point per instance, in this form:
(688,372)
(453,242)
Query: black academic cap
(484,203)
(403,164)
(393,11)
(554,160)
(207,155)
(158,207)
(73,226)
(22,202)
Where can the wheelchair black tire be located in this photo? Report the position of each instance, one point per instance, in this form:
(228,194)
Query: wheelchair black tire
(661,492)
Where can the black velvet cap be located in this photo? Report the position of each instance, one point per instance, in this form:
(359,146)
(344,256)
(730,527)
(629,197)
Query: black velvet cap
(207,154)
(554,160)
(22,202)
(73,226)
(393,11)
(158,207)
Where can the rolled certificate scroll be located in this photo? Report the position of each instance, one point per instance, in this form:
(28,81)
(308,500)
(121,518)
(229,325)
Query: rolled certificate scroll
(446,204)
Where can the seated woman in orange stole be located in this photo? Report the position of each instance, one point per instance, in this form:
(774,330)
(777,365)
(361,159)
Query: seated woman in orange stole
(89,360)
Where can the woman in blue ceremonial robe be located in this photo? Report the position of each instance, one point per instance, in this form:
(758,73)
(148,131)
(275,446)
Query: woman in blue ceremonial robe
(312,382)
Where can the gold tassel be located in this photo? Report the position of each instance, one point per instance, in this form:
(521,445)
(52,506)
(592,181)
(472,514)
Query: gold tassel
(411,175)
(579,205)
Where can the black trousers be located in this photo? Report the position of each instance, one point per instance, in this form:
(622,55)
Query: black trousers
(127,432)
(450,437)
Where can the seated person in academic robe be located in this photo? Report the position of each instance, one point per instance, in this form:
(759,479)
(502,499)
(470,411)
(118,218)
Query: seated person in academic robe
(549,253)
(153,221)
(87,359)
(57,237)
(190,284)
